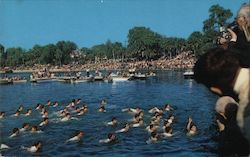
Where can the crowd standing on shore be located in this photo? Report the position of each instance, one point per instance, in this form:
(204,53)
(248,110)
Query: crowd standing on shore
(184,60)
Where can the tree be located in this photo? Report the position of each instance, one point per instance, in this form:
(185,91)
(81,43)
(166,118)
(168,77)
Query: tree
(2,55)
(218,17)
(143,43)
(66,47)
(15,56)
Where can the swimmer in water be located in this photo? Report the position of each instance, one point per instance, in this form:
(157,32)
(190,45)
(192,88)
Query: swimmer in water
(20,108)
(103,102)
(168,132)
(77,110)
(3,146)
(29,112)
(78,101)
(124,129)
(85,108)
(38,106)
(36,147)
(151,128)
(111,138)
(2,115)
(137,124)
(68,117)
(170,119)
(45,114)
(102,109)
(17,114)
(132,110)
(44,122)
(34,129)
(156,119)
(191,128)
(113,122)
(25,127)
(49,103)
(81,112)
(153,138)
(77,137)
(168,107)
(15,132)
(155,109)
(71,104)
(55,104)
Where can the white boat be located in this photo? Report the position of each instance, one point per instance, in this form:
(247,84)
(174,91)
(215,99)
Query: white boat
(19,81)
(82,79)
(4,81)
(188,74)
(98,78)
(117,77)
(41,80)
(138,76)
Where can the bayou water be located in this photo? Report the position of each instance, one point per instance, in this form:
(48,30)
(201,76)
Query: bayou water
(187,97)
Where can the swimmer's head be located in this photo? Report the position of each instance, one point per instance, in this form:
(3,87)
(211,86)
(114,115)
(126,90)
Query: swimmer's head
(15,131)
(111,136)
(26,125)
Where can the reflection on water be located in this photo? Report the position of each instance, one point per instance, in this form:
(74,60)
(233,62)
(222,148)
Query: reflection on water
(186,96)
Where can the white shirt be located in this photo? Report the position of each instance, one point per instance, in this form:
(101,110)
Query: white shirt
(32,149)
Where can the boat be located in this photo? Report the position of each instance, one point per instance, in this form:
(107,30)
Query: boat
(138,76)
(66,79)
(82,79)
(151,74)
(188,74)
(42,80)
(19,81)
(116,77)
(98,78)
(4,81)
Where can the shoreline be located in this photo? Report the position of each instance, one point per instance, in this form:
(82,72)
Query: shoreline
(184,60)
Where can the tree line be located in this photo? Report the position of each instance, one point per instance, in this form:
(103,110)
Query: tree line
(142,44)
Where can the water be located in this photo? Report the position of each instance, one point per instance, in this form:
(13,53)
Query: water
(189,99)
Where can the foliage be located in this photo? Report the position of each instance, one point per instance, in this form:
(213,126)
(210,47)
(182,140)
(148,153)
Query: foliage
(143,44)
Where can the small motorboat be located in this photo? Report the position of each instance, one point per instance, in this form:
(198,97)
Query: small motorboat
(4,81)
(188,74)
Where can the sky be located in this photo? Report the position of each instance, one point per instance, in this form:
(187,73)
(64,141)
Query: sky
(24,23)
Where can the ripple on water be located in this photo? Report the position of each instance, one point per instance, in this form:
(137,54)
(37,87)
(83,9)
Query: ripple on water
(188,98)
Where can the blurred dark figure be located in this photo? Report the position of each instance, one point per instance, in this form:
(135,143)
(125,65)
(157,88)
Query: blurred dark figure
(231,140)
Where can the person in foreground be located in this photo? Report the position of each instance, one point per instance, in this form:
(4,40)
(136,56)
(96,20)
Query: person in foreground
(220,71)
(231,140)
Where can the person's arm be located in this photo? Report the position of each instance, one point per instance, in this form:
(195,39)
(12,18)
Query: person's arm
(189,124)
(233,39)
(220,126)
